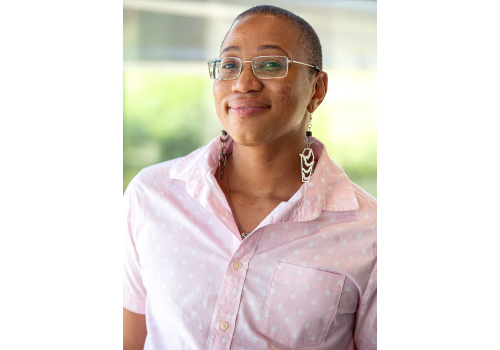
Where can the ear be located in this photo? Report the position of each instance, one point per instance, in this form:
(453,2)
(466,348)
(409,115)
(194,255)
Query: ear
(319,90)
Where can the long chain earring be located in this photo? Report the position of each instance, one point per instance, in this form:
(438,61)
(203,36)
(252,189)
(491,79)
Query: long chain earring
(307,156)
(223,155)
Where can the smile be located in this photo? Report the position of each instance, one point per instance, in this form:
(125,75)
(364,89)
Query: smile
(246,111)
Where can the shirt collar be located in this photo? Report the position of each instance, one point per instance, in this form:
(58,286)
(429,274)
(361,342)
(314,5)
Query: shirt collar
(328,189)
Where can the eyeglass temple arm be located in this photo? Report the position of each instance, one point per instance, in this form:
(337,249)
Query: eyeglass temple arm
(305,64)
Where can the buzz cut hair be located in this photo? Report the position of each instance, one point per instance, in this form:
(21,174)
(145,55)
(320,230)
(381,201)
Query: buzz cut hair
(307,35)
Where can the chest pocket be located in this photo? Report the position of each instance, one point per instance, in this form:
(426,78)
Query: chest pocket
(301,305)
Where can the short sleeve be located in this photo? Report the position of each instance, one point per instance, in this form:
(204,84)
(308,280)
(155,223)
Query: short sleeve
(365,333)
(134,293)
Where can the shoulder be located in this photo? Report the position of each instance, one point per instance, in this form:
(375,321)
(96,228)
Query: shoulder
(157,172)
(367,206)
(364,198)
(163,179)
(152,176)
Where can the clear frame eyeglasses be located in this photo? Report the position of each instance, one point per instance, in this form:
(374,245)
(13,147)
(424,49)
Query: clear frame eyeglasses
(264,67)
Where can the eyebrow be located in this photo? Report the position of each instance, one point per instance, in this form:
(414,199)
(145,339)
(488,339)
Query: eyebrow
(261,48)
(272,47)
(230,48)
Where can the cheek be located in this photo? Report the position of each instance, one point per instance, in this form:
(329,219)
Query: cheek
(288,96)
(285,90)
(217,91)
(218,98)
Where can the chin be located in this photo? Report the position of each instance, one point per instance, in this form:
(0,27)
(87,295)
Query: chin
(245,138)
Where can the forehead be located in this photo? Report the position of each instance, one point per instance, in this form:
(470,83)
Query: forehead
(258,34)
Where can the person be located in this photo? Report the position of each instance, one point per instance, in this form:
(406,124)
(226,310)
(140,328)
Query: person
(257,240)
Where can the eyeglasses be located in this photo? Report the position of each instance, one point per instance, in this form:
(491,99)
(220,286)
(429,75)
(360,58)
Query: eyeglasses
(264,67)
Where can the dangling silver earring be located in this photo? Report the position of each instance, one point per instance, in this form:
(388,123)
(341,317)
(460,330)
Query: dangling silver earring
(223,155)
(307,154)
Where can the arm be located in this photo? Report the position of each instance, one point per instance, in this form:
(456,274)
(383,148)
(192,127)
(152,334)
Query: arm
(134,330)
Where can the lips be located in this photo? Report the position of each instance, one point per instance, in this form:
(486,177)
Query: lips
(247,107)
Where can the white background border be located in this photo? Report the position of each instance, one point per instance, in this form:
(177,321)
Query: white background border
(61,148)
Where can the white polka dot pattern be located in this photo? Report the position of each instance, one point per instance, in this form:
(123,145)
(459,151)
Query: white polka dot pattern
(305,278)
(313,289)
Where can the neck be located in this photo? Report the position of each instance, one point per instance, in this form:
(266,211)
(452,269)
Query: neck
(266,171)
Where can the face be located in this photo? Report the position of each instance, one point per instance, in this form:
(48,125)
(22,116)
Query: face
(258,111)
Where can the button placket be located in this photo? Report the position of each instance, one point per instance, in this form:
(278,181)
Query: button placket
(231,292)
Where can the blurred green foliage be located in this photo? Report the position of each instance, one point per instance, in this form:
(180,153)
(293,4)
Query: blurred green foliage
(168,115)
(163,118)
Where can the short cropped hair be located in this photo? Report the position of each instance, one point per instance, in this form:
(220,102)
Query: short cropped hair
(308,36)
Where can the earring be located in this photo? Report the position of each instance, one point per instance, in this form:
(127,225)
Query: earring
(307,154)
(223,155)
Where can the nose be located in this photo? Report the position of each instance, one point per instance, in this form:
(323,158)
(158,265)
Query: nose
(247,81)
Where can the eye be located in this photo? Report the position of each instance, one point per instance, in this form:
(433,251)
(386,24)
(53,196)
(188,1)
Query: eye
(230,65)
(270,66)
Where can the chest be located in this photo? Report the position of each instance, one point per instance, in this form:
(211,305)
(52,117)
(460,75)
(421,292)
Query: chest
(188,256)
(294,284)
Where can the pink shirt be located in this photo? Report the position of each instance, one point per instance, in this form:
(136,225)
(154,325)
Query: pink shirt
(304,278)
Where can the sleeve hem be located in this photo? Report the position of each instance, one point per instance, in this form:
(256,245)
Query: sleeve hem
(134,304)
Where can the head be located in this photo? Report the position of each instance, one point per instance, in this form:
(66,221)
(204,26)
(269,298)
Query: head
(308,38)
(257,111)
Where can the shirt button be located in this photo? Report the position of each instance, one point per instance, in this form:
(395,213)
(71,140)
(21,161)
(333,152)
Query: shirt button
(224,326)
(238,265)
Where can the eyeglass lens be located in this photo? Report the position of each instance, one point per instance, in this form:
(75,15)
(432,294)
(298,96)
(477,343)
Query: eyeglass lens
(265,67)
